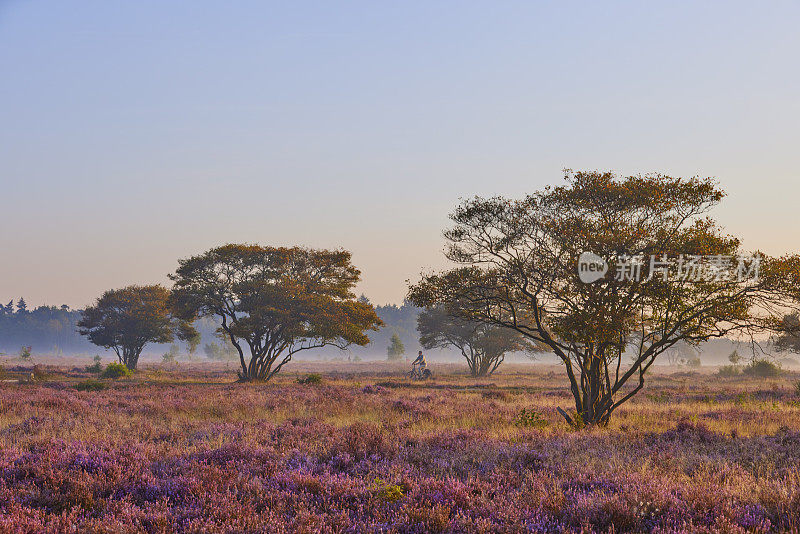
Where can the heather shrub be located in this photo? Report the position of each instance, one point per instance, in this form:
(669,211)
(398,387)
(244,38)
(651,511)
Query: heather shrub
(496,394)
(90,385)
(369,388)
(312,378)
(729,371)
(762,369)
(116,370)
(530,418)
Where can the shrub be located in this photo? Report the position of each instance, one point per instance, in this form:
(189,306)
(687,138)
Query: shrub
(313,378)
(796,384)
(694,363)
(530,418)
(116,370)
(172,354)
(25,352)
(729,370)
(90,385)
(388,492)
(38,373)
(96,367)
(762,369)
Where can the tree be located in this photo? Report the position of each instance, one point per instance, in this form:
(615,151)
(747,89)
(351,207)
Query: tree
(734,357)
(483,345)
(788,338)
(519,268)
(192,342)
(127,319)
(396,348)
(681,352)
(22,306)
(274,302)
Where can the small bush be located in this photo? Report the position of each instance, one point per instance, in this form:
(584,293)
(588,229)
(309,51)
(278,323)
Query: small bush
(762,369)
(313,378)
(96,367)
(171,356)
(729,370)
(90,385)
(388,492)
(38,373)
(796,384)
(530,418)
(694,363)
(25,352)
(116,370)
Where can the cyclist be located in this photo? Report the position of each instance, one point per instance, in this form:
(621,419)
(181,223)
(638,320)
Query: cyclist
(421,362)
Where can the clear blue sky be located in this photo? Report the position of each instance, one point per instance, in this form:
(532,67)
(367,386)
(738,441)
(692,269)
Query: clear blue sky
(135,133)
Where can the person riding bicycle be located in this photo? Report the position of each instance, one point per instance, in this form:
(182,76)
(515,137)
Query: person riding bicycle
(420,361)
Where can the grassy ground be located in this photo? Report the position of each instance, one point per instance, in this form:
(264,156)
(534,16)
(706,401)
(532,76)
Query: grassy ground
(182,448)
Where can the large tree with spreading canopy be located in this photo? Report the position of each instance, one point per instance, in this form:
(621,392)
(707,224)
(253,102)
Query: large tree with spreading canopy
(273,302)
(519,269)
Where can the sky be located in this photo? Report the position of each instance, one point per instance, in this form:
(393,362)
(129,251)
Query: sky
(133,134)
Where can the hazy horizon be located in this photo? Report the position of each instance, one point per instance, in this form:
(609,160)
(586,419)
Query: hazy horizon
(132,138)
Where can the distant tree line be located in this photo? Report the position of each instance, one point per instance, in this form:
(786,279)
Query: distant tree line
(50,329)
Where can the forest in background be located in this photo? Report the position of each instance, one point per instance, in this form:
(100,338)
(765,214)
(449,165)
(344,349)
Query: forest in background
(52,330)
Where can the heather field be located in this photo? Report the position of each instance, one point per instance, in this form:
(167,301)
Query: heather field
(182,449)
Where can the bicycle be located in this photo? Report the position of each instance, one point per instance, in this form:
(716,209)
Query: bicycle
(418,373)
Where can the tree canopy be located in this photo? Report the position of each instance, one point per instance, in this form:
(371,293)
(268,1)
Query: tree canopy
(789,334)
(483,345)
(274,301)
(126,319)
(519,268)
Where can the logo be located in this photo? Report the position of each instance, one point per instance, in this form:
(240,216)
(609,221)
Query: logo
(591,267)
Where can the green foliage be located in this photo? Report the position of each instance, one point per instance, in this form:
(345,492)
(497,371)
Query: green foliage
(97,366)
(222,352)
(25,352)
(762,368)
(90,385)
(530,418)
(483,346)
(116,370)
(728,371)
(127,319)
(516,268)
(312,378)
(287,300)
(396,348)
(171,355)
(694,362)
(387,492)
(789,334)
